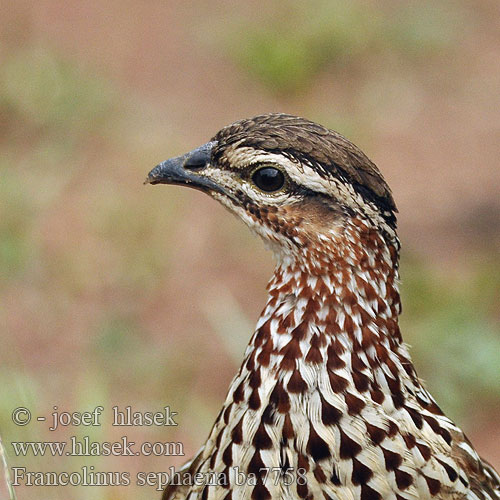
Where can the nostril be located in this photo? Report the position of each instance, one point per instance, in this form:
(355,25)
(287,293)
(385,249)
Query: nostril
(196,161)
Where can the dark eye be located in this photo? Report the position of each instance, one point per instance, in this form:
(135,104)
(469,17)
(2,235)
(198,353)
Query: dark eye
(268,179)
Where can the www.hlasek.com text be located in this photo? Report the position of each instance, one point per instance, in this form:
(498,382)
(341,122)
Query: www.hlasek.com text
(85,447)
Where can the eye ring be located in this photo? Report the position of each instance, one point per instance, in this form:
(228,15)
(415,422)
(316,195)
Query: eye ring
(268,179)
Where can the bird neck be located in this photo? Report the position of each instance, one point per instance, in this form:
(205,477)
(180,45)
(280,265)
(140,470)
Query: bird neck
(333,313)
(344,291)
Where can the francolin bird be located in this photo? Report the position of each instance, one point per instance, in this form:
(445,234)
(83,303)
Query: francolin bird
(327,403)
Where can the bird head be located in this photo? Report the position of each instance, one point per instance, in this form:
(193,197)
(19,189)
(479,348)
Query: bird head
(297,184)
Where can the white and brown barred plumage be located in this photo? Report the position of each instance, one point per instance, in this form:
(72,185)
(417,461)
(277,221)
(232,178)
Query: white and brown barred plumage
(327,393)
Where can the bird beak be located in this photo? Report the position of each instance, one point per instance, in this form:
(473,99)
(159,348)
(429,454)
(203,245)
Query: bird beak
(186,170)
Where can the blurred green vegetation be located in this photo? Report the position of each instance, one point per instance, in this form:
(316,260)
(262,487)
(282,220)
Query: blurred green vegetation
(51,98)
(450,318)
(288,52)
(50,108)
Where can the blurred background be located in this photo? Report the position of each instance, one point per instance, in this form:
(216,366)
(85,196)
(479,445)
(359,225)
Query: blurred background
(115,293)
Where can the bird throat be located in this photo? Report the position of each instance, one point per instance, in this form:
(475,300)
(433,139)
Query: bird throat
(331,318)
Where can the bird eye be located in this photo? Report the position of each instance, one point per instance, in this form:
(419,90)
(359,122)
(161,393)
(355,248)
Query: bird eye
(268,179)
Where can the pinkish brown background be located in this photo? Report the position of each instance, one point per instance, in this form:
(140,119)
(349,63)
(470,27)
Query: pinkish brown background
(113,292)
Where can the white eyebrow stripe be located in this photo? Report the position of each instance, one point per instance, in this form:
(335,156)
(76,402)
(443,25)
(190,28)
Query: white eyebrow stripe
(305,175)
(301,174)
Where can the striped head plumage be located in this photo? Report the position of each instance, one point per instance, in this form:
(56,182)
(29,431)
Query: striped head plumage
(327,403)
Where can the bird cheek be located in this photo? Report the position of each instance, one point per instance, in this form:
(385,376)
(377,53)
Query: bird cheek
(313,218)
